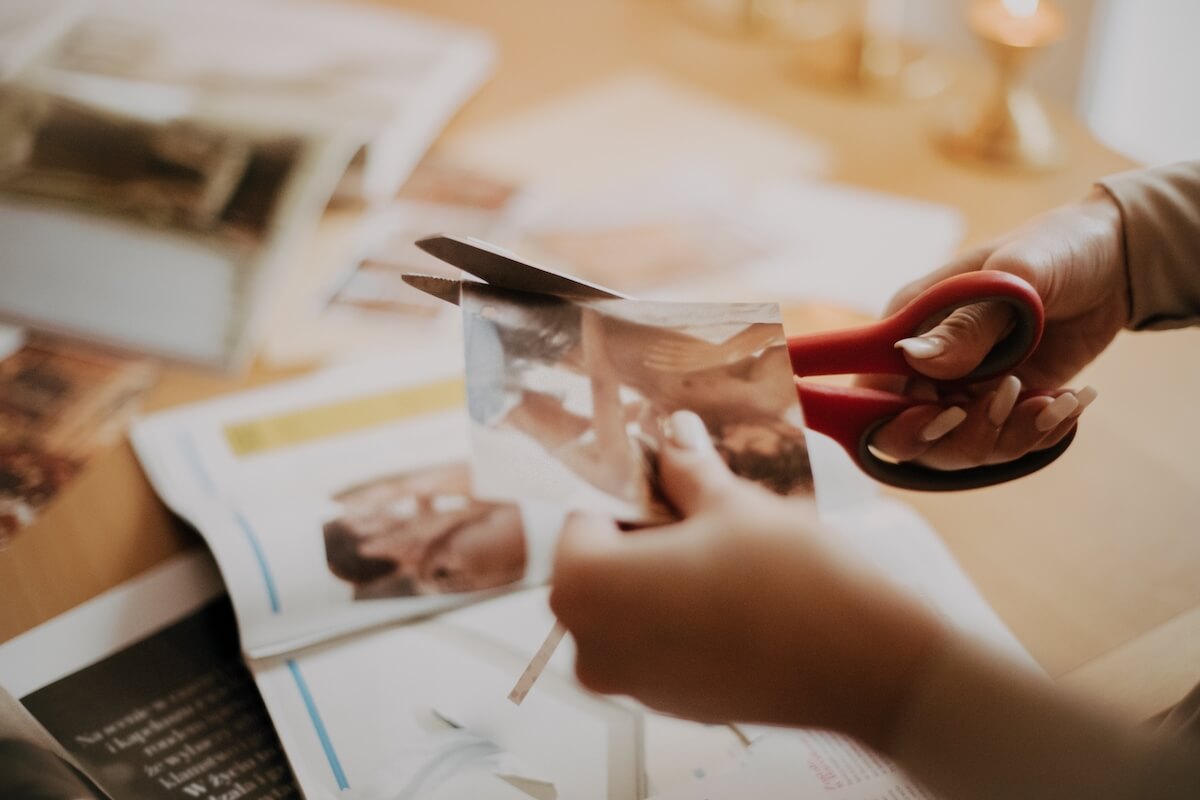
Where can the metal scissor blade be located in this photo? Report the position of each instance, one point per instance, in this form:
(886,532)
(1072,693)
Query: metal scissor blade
(500,269)
(446,289)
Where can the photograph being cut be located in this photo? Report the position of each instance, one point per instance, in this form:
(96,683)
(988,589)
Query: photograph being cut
(422,533)
(568,397)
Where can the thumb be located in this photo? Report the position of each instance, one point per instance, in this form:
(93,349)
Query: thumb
(957,344)
(585,537)
(693,475)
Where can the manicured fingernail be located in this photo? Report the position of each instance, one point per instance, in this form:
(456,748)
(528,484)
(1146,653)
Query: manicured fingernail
(1085,396)
(686,430)
(1059,409)
(943,423)
(922,346)
(1003,400)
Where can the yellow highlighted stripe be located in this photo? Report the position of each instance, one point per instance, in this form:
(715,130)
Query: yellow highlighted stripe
(322,422)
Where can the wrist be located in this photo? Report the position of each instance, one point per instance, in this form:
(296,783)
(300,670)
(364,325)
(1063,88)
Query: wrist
(871,662)
(907,642)
(1101,207)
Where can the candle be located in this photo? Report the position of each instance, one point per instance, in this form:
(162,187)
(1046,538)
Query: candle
(1009,127)
(1018,23)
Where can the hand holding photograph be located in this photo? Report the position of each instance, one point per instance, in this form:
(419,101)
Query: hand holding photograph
(586,385)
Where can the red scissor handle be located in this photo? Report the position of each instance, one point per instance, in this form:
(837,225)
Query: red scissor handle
(851,415)
(871,349)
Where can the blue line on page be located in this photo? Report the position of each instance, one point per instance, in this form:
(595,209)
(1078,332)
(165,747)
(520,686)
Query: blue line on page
(188,445)
(272,595)
(326,743)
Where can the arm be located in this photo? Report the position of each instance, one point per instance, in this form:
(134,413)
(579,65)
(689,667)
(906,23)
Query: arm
(747,610)
(1125,256)
(976,727)
(1160,214)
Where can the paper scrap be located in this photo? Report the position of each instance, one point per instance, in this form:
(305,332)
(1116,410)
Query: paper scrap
(537,664)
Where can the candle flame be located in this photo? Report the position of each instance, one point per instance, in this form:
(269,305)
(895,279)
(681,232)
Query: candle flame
(1021,8)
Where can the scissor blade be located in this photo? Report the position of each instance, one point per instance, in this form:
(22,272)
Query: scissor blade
(500,269)
(446,289)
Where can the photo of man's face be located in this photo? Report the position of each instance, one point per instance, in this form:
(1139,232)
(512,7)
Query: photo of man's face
(422,533)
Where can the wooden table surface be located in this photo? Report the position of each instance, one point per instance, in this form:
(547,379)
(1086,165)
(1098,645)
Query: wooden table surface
(1094,563)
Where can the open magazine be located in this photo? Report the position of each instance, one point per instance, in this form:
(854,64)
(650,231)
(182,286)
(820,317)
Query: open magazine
(342,500)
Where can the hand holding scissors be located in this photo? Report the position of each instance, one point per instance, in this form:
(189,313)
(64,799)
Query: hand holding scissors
(853,415)
(849,415)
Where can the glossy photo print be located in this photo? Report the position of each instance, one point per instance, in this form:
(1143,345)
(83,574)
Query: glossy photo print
(568,398)
(423,533)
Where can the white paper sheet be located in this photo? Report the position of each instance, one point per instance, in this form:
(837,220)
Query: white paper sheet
(625,127)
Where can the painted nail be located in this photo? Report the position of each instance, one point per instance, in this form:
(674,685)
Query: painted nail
(1003,400)
(686,430)
(922,346)
(1059,409)
(1085,396)
(943,423)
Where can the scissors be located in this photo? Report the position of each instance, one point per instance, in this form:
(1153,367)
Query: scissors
(849,415)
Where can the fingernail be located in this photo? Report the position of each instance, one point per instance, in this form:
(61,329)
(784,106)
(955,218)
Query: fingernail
(1003,400)
(943,423)
(922,346)
(1085,396)
(1059,409)
(686,430)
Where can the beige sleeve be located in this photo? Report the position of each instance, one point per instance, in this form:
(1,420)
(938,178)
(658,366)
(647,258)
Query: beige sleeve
(1160,209)
(980,728)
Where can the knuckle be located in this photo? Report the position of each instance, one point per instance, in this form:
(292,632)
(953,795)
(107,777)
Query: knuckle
(1015,261)
(596,674)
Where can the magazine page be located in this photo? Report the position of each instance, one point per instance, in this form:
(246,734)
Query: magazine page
(414,709)
(145,691)
(342,500)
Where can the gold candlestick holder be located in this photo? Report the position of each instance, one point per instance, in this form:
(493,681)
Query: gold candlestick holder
(1011,128)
